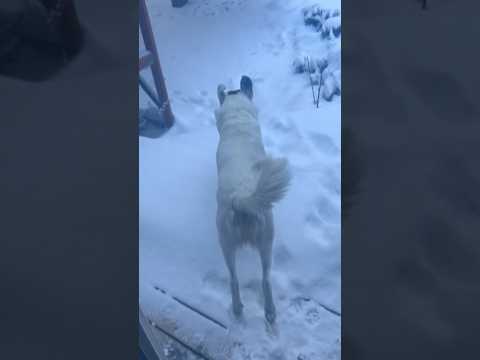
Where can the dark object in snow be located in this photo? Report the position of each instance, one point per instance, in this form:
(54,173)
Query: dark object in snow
(325,21)
(325,32)
(309,67)
(298,66)
(321,64)
(179,3)
(329,86)
(323,81)
(337,31)
(38,38)
(151,123)
(316,65)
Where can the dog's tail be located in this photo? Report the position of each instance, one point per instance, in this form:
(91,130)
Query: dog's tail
(271,187)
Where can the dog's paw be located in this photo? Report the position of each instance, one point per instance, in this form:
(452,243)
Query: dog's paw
(270,314)
(271,329)
(237,319)
(237,309)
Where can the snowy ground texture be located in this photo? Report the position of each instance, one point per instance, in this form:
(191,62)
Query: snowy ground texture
(201,45)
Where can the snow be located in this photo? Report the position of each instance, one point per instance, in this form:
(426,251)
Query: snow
(203,44)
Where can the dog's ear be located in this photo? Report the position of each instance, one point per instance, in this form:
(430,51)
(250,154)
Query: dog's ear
(246,86)
(221,93)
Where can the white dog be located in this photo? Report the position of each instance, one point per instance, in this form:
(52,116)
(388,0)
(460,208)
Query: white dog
(249,182)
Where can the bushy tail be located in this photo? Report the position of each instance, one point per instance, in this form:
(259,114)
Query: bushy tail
(271,187)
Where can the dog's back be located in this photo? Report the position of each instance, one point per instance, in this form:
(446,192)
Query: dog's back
(239,148)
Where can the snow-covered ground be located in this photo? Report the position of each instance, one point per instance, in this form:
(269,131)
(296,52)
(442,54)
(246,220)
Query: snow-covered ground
(201,45)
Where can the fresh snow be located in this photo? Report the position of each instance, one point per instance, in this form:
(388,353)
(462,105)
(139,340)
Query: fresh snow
(203,44)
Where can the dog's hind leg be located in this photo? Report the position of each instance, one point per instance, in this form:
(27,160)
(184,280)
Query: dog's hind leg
(234,286)
(226,237)
(265,249)
(229,255)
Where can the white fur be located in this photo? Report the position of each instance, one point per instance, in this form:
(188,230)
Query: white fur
(249,182)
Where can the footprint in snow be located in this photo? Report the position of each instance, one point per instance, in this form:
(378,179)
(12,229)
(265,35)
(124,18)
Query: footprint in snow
(281,255)
(324,143)
(322,222)
(213,280)
(327,210)
(197,99)
(330,180)
(310,310)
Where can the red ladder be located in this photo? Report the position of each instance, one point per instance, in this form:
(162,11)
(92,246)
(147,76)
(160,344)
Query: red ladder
(149,59)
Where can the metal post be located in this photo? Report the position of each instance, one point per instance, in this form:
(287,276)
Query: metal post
(149,39)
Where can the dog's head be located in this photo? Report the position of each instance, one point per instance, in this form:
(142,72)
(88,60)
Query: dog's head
(246,88)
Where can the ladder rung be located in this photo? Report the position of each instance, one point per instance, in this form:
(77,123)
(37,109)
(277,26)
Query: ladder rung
(145,60)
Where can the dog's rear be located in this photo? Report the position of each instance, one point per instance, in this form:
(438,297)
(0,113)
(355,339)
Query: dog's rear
(249,183)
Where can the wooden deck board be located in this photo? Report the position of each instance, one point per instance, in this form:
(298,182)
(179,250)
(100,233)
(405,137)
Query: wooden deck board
(184,331)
